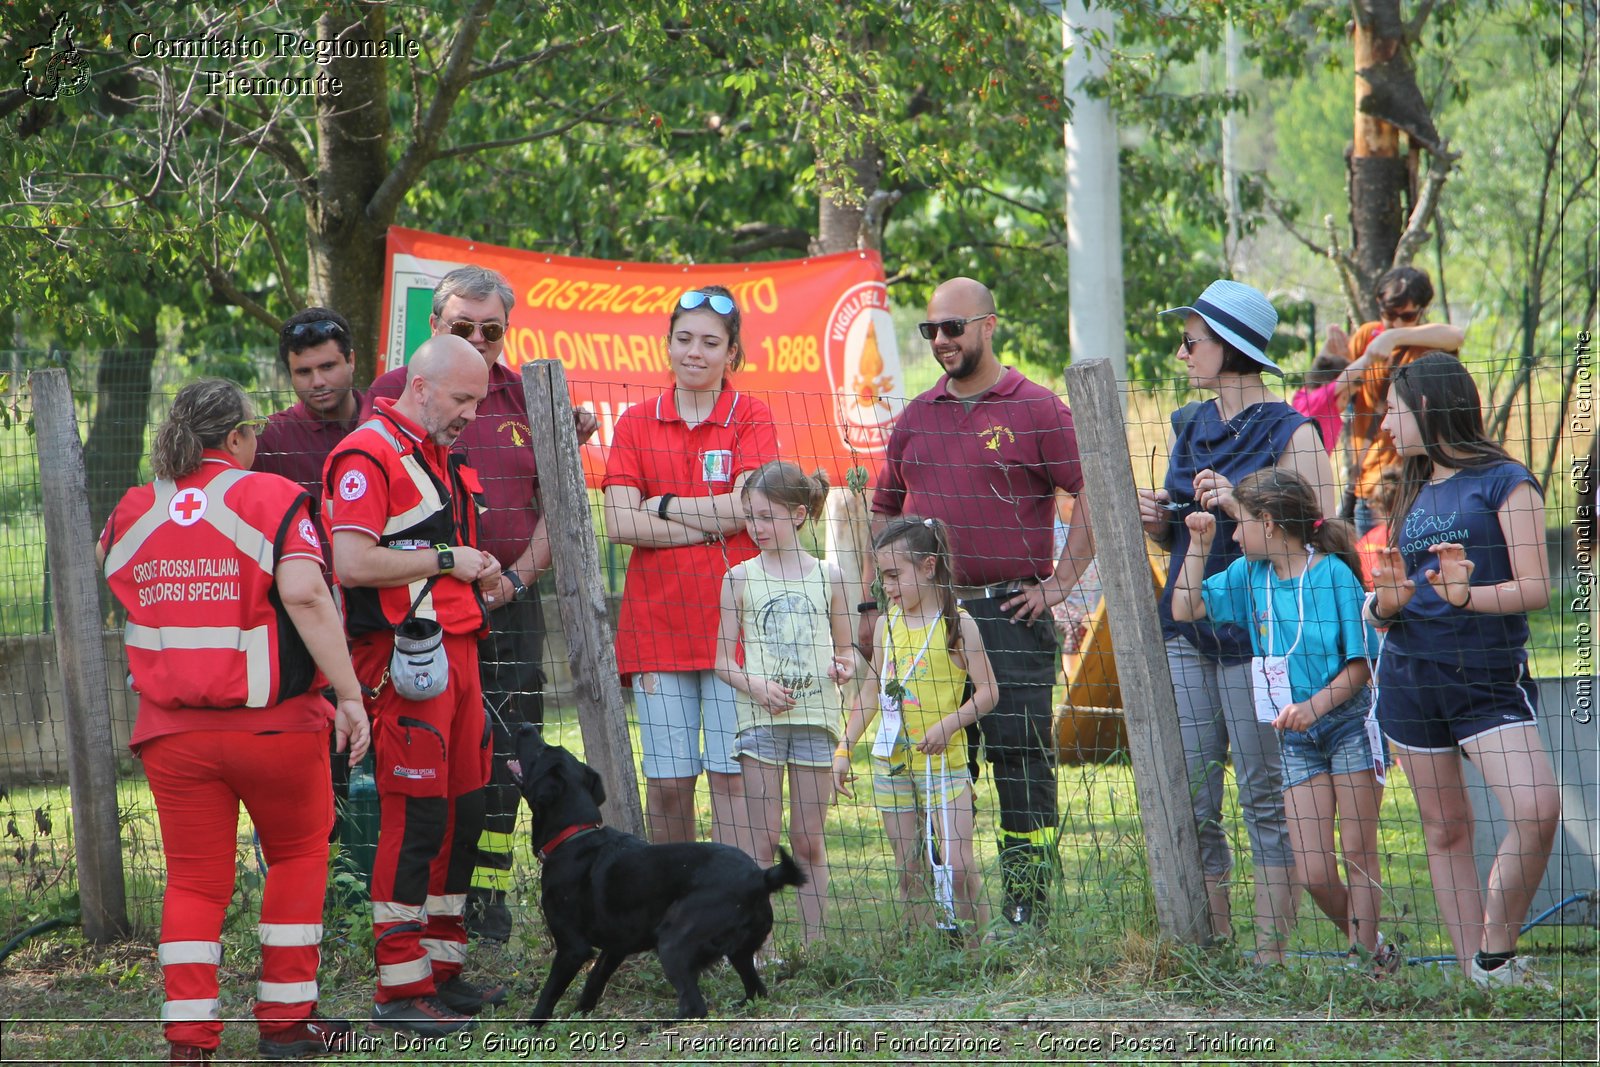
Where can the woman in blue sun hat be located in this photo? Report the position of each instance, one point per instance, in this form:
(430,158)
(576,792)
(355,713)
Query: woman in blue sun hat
(1242,428)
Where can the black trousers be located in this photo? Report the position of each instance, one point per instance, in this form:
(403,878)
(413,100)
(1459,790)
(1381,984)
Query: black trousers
(1018,735)
(512,668)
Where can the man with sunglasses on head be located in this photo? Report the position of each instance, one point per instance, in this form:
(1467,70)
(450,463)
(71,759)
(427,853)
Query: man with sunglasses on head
(984,451)
(1399,336)
(474,303)
(314,347)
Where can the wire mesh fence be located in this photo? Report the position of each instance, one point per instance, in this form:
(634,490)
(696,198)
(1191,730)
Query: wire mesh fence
(1079,857)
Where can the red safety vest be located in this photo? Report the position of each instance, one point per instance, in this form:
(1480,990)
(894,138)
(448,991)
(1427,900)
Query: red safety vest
(193,561)
(423,510)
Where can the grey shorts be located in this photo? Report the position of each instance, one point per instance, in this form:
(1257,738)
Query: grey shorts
(1336,744)
(806,746)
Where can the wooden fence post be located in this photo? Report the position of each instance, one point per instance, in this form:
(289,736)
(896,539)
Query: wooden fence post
(81,658)
(581,592)
(1150,710)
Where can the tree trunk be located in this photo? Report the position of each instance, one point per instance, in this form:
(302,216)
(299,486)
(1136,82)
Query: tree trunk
(1378,174)
(345,243)
(847,193)
(122,406)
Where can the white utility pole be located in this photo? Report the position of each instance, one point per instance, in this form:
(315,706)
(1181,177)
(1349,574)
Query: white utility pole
(1094,204)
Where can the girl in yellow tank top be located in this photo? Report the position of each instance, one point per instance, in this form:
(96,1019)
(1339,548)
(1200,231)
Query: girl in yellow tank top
(925,650)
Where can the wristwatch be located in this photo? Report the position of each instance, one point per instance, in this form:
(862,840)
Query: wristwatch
(447,558)
(519,588)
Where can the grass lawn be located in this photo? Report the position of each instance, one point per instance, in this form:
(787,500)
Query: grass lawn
(1095,986)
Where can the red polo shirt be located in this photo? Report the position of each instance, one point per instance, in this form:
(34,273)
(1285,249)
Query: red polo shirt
(499,446)
(294,444)
(669,606)
(989,473)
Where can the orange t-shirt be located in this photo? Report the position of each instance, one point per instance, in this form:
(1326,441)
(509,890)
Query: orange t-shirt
(1369,442)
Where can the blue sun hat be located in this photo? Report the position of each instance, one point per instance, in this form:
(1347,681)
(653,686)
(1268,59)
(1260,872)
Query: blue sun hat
(1240,315)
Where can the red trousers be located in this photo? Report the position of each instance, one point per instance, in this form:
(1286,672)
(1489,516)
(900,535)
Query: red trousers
(199,780)
(431,763)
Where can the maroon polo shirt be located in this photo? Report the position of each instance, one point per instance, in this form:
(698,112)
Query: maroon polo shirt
(989,473)
(499,446)
(294,443)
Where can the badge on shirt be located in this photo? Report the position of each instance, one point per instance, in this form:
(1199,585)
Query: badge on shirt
(716,466)
(308,533)
(188,507)
(353,486)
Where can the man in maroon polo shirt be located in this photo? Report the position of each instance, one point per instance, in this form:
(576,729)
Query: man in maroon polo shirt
(984,451)
(314,347)
(475,303)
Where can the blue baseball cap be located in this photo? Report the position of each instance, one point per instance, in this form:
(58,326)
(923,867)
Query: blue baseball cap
(1240,315)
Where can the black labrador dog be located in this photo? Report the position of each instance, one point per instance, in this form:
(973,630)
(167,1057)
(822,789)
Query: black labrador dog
(608,890)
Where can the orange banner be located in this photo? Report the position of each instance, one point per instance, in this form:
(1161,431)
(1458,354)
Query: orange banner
(818,338)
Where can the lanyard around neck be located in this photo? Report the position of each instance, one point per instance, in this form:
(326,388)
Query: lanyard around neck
(888,636)
(1299,604)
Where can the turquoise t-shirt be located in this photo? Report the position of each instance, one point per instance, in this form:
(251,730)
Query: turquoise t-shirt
(1327,597)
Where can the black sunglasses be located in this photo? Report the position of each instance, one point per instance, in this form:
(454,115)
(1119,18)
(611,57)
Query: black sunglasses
(951,327)
(1407,317)
(492,331)
(308,334)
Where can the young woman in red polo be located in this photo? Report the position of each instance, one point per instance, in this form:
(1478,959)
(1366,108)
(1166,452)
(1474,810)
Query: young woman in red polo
(672,486)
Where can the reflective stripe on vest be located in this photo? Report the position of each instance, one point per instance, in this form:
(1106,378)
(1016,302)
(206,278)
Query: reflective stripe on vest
(255,643)
(252,545)
(431,504)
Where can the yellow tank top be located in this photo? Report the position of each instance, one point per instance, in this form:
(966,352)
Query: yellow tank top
(933,682)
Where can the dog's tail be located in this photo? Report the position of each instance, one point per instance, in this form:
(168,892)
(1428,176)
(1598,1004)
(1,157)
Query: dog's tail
(785,872)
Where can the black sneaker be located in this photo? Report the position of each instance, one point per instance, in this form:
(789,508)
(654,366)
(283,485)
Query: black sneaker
(427,1016)
(462,996)
(487,917)
(315,1036)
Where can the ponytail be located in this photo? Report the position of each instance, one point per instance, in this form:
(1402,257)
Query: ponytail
(1289,501)
(202,415)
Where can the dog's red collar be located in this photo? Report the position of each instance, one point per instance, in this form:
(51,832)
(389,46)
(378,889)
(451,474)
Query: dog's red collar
(564,836)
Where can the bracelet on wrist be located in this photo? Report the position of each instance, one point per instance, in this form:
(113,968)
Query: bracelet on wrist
(842,750)
(661,508)
(866,606)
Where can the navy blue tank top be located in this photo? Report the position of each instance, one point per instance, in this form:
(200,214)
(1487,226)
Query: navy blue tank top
(1254,438)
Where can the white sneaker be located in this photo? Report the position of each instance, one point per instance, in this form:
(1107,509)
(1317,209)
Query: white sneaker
(1517,971)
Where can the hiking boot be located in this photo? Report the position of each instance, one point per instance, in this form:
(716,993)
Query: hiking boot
(189,1053)
(1026,874)
(462,996)
(427,1016)
(314,1036)
(488,918)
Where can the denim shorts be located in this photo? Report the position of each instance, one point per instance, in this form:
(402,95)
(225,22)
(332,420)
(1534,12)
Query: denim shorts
(675,708)
(1336,744)
(804,746)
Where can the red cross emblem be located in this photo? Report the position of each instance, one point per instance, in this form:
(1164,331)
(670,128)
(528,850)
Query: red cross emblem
(187,507)
(353,485)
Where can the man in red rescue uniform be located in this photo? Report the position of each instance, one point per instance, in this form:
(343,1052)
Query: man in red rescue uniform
(404,520)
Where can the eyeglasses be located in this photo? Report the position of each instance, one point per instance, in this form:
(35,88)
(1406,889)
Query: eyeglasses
(255,425)
(722,305)
(952,327)
(1189,342)
(308,334)
(492,331)
(1407,317)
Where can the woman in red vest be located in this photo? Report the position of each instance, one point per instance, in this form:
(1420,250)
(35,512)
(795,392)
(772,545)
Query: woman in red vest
(232,636)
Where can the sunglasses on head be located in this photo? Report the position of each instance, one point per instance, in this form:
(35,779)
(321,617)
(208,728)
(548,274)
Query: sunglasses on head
(492,331)
(722,305)
(307,334)
(255,425)
(951,327)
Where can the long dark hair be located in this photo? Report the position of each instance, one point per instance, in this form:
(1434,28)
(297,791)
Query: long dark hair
(922,539)
(1441,395)
(1290,502)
